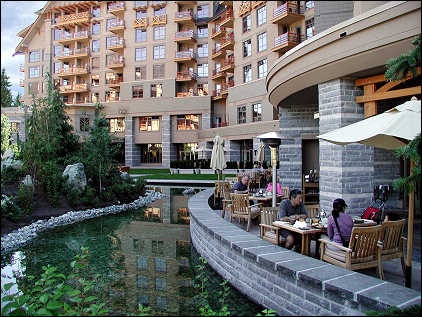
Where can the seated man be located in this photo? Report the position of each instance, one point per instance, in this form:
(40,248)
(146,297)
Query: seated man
(241,187)
(289,207)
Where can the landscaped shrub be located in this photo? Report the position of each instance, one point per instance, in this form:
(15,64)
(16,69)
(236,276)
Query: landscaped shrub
(10,209)
(248,164)
(73,195)
(231,164)
(24,198)
(51,179)
(11,175)
(89,197)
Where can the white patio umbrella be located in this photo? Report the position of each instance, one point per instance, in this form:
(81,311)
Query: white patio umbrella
(218,161)
(388,130)
(260,154)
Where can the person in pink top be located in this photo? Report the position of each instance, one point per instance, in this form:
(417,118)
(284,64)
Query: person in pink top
(340,224)
(278,188)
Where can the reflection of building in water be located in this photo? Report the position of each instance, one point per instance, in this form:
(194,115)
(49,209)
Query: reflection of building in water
(157,265)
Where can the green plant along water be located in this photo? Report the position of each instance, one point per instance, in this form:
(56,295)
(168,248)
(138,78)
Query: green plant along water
(143,257)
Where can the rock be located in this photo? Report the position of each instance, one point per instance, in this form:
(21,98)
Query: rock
(8,154)
(8,160)
(76,174)
(28,181)
(124,175)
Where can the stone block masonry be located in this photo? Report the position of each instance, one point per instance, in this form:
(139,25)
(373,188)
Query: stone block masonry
(283,280)
(132,150)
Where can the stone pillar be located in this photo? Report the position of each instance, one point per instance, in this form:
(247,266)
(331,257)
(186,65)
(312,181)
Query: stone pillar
(232,150)
(166,206)
(255,146)
(132,150)
(345,171)
(168,149)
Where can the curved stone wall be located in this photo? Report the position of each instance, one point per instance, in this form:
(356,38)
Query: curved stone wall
(283,280)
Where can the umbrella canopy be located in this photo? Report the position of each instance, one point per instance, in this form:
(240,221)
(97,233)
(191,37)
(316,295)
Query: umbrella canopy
(218,161)
(260,154)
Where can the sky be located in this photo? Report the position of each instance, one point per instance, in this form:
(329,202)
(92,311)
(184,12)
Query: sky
(15,16)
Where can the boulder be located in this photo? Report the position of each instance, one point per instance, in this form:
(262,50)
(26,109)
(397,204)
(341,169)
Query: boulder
(8,160)
(8,154)
(28,181)
(77,177)
(124,176)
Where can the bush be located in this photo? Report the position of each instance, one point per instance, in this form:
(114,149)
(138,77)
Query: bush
(11,175)
(73,195)
(52,181)
(10,209)
(24,198)
(89,197)
(231,164)
(248,164)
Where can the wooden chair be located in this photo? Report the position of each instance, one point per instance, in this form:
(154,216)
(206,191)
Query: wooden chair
(391,242)
(231,179)
(227,188)
(240,208)
(363,251)
(218,190)
(269,232)
(313,210)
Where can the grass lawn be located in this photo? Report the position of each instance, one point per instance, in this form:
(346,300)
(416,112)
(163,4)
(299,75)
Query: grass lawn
(149,171)
(185,176)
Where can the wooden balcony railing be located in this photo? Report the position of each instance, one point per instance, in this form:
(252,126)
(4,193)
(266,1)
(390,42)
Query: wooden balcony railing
(140,5)
(257,3)
(218,31)
(158,4)
(120,42)
(116,61)
(117,6)
(286,38)
(186,75)
(116,24)
(75,18)
(74,52)
(223,90)
(159,19)
(75,35)
(74,70)
(287,13)
(180,94)
(184,35)
(228,40)
(227,18)
(73,87)
(217,73)
(228,64)
(244,8)
(184,54)
(183,15)
(140,23)
(114,81)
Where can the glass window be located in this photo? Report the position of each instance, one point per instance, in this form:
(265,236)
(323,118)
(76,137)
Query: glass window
(143,299)
(96,12)
(159,51)
(247,23)
(34,72)
(261,15)
(95,97)
(57,50)
(140,54)
(160,284)
(117,124)
(203,70)
(57,66)
(141,14)
(109,23)
(140,35)
(96,28)
(202,31)
(262,68)
(156,90)
(247,48)
(57,34)
(138,91)
(149,123)
(110,41)
(203,11)
(262,42)
(34,56)
(202,50)
(159,11)
(95,45)
(84,124)
(140,73)
(188,122)
(159,33)
(241,114)
(247,73)
(256,112)
(157,247)
(160,265)
(158,71)
(14,127)
(142,281)
(162,303)
(95,80)
(141,262)
(310,28)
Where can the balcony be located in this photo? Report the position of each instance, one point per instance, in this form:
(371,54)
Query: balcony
(73,19)
(68,89)
(184,17)
(287,13)
(21,83)
(256,4)
(223,91)
(158,4)
(159,19)
(185,56)
(117,8)
(21,68)
(217,52)
(117,62)
(227,18)
(217,73)
(114,82)
(185,2)
(73,53)
(140,5)
(76,36)
(228,42)
(71,71)
(140,23)
(285,41)
(182,94)
(218,31)
(117,45)
(220,124)
(228,65)
(226,3)
(185,36)
(185,76)
(245,7)
(117,27)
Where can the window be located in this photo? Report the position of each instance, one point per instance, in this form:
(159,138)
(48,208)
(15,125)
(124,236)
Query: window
(203,11)
(247,48)
(157,247)
(160,284)
(309,5)
(158,71)
(247,73)
(202,31)
(188,122)
(140,35)
(140,73)
(96,12)
(241,114)
(138,91)
(261,15)
(110,41)
(256,112)
(202,89)
(143,299)
(116,125)
(141,14)
(159,33)
(142,281)
(57,50)
(159,11)
(141,262)
(95,45)
(149,123)
(95,80)
(203,70)
(95,62)
(162,303)
(160,265)
(14,126)
(202,50)
(262,68)
(57,66)
(140,54)
(156,90)
(247,23)
(57,34)
(33,88)
(84,124)
(109,23)
(34,72)
(139,245)
(262,42)
(95,97)
(96,28)
(159,51)
(34,56)
(310,28)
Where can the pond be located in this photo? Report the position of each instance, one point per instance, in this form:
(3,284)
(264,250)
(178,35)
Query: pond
(143,256)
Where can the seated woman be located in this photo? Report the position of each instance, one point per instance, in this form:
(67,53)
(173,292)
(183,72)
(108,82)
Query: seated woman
(278,188)
(339,224)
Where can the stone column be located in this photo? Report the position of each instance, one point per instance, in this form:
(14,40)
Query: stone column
(168,149)
(232,150)
(345,171)
(166,206)
(132,150)
(255,146)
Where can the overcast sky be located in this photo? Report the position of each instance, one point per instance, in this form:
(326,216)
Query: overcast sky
(15,16)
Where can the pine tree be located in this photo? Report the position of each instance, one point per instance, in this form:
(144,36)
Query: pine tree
(6,95)
(16,101)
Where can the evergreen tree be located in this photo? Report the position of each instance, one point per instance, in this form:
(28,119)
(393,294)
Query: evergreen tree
(5,133)
(6,95)
(16,101)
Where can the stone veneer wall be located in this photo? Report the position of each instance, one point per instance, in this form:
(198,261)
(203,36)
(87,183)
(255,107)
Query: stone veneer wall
(283,280)
(132,150)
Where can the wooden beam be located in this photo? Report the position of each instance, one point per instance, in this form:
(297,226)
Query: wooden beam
(380,78)
(370,107)
(390,94)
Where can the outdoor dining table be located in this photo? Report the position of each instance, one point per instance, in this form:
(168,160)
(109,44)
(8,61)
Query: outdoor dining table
(265,199)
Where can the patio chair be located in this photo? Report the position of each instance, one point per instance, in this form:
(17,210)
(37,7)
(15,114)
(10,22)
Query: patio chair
(227,188)
(218,190)
(363,250)
(286,191)
(240,208)
(269,232)
(313,210)
(391,241)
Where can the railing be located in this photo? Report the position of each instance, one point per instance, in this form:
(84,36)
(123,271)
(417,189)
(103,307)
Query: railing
(159,3)
(228,63)
(74,69)
(245,7)
(73,17)
(185,54)
(81,86)
(256,3)
(285,8)
(217,29)
(219,124)
(159,19)
(69,36)
(186,75)
(285,38)
(228,14)
(72,87)
(116,24)
(184,34)
(116,6)
(142,22)
(141,4)
(116,60)
(119,42)
(75,51)
(183,14)
(223,90)
(114,81)
(227,39)
(216,50)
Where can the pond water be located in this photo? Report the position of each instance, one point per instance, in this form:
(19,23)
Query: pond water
(143,256)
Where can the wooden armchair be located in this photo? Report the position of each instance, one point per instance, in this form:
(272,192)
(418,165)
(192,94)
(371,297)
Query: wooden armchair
(240,208)
(269,232)
(363,251)
(391,241)
(286,192)
(227,188)
(313,210)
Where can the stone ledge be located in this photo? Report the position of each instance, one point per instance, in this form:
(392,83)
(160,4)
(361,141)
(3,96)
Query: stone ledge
(286,281)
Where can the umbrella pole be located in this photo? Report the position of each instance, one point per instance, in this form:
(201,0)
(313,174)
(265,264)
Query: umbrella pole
(408,266)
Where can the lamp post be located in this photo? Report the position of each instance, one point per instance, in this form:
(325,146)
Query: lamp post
(274,166)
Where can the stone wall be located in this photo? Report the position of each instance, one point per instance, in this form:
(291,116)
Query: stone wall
(132,150)
(330,13)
